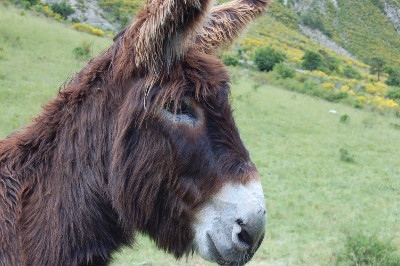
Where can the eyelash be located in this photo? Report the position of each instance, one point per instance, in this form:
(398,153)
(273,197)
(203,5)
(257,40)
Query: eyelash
(184,109)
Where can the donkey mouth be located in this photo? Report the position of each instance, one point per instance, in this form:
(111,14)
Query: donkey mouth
(243,257)
(230,227)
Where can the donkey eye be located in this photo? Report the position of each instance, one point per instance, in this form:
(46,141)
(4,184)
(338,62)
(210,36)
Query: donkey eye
(185,109)
(185,112)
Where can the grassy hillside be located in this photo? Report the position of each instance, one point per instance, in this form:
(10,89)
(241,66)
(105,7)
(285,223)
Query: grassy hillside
(325,177)
(360,26)
(341,79)
(361,90)
(31,47)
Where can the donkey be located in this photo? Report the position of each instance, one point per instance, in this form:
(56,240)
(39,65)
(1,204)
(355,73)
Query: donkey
(141,140)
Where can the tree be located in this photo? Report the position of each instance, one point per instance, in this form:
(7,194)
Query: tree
(266,58)
(377,64)
(312,61)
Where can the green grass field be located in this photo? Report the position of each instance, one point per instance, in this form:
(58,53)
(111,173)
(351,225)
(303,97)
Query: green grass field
(36,58)
(315,198)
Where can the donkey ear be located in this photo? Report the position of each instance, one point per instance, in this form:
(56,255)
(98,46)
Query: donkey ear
(162,31)
(227,21)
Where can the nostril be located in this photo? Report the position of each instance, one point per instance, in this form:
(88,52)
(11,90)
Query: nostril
(244,235)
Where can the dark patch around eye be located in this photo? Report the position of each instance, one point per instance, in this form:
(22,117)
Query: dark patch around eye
(182,109)
(185,109)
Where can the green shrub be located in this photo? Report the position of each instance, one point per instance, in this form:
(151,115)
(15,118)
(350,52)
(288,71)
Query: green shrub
(266,58)
(37,8)
(333,96)
(344,119)
(75,20)
(284,71)
(308,86)
(394,93)
(301,78)
(230,60)
(350,73)
(63,9)
(345,156)
(312,61)
(394,78)
(332,64)
(26,3)
(358,104)
(360,249)
(83,51)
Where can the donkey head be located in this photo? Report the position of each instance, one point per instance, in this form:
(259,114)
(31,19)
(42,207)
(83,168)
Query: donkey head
(180,171)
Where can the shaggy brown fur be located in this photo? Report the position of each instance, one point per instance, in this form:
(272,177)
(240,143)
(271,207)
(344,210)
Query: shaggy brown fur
(98,165)
(227,21)
(160,36)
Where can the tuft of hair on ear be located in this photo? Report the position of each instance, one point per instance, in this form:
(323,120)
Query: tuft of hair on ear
(226,22)
(159,36)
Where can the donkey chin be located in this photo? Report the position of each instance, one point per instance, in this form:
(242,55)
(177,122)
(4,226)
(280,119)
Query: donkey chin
(230,227)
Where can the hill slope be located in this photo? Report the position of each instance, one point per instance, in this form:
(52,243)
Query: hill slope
(346,33)
(315,197)
(362,27)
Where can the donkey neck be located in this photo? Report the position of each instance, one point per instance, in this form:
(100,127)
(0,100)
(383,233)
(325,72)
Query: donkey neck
(59,168)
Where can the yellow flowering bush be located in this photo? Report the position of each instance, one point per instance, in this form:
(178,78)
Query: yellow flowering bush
(319,73)
(48,12)
(348,62)
(362,99)
(378,100)
(58,17)
(345,88)
(250,42)
(381,103)
(391,104)
(381,87)
(371,88)
(352,83)
(328,85)
(335,78)
(97,32)
(88,29)
(294,55)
